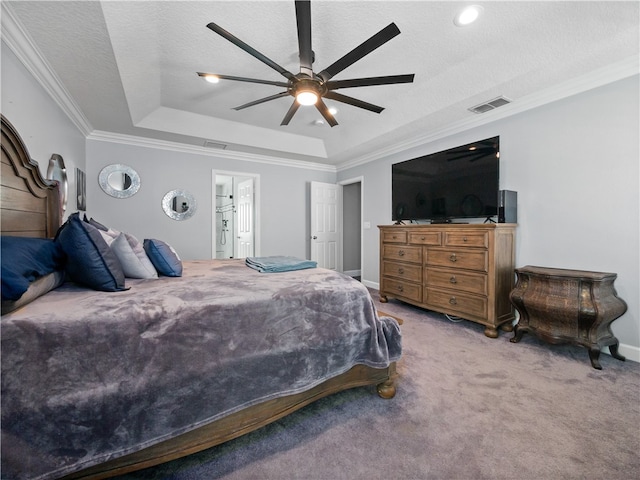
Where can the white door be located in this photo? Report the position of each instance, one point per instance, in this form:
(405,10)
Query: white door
(245,219)
(326,225)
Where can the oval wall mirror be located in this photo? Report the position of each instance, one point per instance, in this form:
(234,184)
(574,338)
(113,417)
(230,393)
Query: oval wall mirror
(179,204)
(57,171)
(119,181)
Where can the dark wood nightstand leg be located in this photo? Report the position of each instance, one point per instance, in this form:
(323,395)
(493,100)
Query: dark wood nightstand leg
(614,351)
(594,356)
(517,336)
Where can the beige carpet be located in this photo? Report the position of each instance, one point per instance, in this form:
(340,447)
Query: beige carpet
(467,407)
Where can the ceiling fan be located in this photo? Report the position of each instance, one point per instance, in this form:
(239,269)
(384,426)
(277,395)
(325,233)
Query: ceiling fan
(307,87)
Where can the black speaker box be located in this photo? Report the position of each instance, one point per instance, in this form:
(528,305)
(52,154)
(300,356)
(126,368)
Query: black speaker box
(507,206)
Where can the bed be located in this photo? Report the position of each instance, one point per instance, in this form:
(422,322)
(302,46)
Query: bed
(97,384)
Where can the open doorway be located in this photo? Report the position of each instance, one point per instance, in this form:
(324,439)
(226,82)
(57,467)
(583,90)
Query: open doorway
(352,227)
(235,215)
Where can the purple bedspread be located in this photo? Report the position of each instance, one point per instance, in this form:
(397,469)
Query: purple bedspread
(88,376)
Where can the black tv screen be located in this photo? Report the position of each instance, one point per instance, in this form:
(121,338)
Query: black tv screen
(461,182)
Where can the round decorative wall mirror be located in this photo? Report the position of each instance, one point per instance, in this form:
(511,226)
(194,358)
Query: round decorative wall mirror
(57,171)
(179,204)
(119,181)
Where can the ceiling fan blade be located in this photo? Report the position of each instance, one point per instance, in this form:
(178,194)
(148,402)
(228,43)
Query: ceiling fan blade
(244,79)
(250,50)
(290,113)
(367,82)
(338,97)
(303,19)
(379,39)
(324,111)
(262,100)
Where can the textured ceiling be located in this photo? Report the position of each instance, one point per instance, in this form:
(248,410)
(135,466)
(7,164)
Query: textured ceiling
(130,66)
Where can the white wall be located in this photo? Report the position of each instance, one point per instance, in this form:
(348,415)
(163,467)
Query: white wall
(43,126)
(284,193)
(574,164)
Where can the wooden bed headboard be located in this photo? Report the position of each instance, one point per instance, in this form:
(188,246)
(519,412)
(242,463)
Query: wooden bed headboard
(29,204)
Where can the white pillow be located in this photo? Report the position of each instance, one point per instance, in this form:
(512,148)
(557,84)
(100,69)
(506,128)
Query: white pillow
(134,260)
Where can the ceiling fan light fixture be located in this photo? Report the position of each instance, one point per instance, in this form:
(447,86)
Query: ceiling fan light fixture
(307,97)
(467,15)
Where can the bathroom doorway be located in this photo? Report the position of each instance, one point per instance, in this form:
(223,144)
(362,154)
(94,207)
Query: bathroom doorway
(236,215)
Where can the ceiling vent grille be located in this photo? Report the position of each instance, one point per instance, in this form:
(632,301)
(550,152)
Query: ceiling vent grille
(212,144)
(490,105)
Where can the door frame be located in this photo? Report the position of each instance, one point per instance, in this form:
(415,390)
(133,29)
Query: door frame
(351,181)
(256,208)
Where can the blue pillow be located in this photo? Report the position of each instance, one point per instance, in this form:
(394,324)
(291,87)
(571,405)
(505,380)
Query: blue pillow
(163,257)
(90,261)
(24,260)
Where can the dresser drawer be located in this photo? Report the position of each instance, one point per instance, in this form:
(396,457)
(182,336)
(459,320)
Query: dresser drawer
(466,239)
(459,258)
(453,279)
(398,288)
(403,271)
(402,252)
(425,238)
(458,303)
(394,237)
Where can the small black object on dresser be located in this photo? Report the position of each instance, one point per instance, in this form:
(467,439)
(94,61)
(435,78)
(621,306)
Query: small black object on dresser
(568,306)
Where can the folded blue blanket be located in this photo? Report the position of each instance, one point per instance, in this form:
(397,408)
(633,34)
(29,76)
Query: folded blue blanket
(279,263)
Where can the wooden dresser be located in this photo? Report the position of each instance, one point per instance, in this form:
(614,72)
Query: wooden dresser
(464,270)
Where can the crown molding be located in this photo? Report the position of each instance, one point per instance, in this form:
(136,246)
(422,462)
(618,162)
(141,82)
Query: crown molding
(132,140)
(611,73)
(14,36)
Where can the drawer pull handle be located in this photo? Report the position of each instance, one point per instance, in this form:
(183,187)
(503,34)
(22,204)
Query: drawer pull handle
(422,237)
(401,253)
(400,288)
(401,271)
(464,239)
(394,237)
(453,258)
(453,280)
(453,301)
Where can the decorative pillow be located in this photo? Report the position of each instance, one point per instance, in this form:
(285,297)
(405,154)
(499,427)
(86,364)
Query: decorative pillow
(107,237)
(36,289)
(24,259)
(90,261)
(163,257)
(95,223)
(134,261)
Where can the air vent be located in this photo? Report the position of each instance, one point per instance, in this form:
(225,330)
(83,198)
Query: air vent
(490,105)
(212,144)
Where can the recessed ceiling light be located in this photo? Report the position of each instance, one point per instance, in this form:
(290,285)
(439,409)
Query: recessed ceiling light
(333,110)
(467,15)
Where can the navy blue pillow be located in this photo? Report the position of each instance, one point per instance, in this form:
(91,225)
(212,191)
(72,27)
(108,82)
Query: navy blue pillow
(163,257)
(90,261)
(24,260)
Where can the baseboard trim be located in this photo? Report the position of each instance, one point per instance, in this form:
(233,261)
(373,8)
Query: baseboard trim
(370,284)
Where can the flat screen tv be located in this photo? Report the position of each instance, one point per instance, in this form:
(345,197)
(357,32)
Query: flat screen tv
(458,183)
